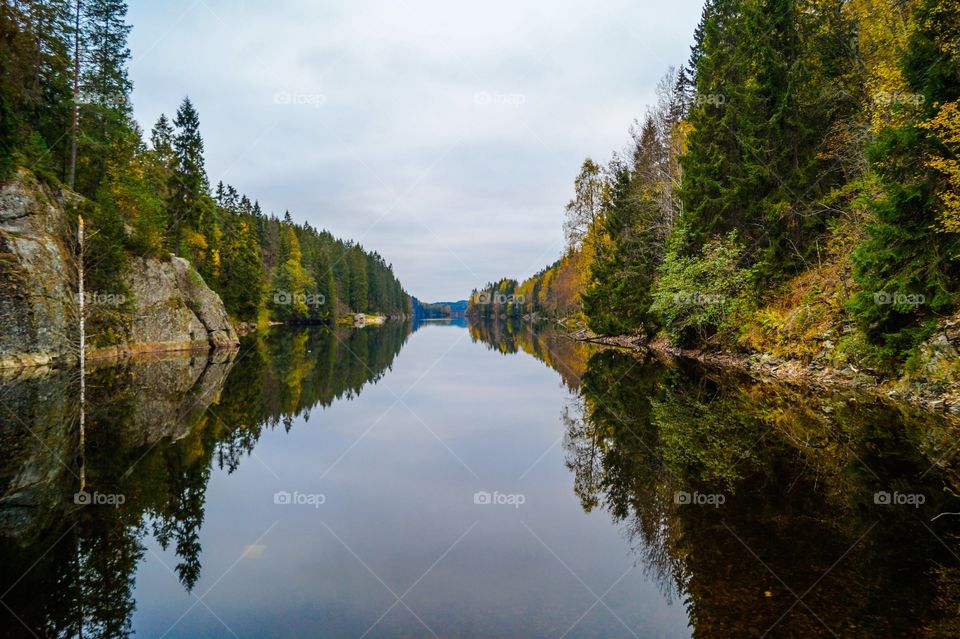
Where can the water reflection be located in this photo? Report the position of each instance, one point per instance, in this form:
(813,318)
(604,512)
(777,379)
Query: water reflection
(421,322)
(771,511)
(546,342)
(753,507)
(156,428)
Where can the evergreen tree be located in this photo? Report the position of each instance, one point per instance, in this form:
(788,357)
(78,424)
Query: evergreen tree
(104,87)
(682,96)
(241,274)
(35,84)
(132,189)
(189,180)
(755,161)
(162,139)
(358,279)
(618,296)
(326,285)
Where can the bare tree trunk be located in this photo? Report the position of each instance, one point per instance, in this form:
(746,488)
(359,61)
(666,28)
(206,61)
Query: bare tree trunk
(81,301)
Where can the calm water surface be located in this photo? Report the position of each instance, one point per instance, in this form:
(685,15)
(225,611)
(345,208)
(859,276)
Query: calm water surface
(334,483)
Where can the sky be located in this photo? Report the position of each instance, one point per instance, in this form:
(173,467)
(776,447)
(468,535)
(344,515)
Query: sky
(444,135)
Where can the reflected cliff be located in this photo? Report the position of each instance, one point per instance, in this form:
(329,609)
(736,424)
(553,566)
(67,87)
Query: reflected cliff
(155,430)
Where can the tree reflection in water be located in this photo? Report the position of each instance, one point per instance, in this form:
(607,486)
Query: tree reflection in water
(798,548)
(155,428)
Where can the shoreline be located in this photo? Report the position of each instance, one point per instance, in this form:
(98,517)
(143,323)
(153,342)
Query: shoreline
(14,365)
(766,367)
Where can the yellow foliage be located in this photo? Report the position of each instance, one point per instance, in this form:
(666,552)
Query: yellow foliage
(946,126)
(195,240)
(884,27)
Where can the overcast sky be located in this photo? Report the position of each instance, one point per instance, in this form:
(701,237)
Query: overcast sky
(445,135)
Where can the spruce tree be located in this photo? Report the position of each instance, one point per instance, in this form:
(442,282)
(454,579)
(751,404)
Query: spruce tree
(104,85)
(161,140)
(241,273)
(755,162)
(326,285)
(618,297)
(189,180)
(35,87)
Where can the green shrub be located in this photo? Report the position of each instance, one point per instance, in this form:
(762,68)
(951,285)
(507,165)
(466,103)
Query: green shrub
(697,297)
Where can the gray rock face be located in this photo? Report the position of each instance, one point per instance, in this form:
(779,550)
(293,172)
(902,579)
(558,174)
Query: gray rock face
(173,307)
(35,300)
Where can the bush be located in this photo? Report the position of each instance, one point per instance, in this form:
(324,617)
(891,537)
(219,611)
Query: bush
(697,297)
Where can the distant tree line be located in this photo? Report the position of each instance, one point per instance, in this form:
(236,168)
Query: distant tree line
(438,310)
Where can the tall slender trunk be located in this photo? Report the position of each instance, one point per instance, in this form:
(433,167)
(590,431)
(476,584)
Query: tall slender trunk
(83,389)
(81,301)
(72,175)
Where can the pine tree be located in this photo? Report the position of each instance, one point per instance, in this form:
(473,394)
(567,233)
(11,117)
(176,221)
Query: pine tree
(189,181)
(241,274)
(161,140)
(104,87)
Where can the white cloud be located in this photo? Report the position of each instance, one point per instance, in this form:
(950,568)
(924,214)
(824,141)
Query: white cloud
(477,115)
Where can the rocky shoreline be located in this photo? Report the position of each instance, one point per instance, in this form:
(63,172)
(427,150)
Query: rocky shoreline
(942,398)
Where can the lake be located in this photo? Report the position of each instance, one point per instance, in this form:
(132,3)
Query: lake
(446,480)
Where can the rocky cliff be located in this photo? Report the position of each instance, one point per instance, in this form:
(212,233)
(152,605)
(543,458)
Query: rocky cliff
(171,306)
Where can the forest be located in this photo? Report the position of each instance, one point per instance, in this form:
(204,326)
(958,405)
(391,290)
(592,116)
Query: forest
(66,116)
(794,190)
